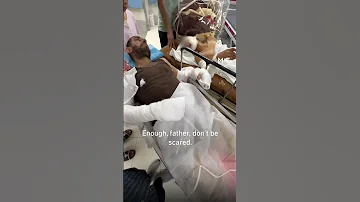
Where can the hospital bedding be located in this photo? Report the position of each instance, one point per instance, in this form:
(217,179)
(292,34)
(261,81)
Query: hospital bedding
(205,169)
(205,17)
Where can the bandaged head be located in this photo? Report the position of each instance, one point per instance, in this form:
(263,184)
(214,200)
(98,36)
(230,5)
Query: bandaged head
(190,42)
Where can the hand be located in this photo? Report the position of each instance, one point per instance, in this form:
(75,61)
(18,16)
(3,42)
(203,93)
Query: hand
(204,78)
(126,67)
(170,37)
(228,53)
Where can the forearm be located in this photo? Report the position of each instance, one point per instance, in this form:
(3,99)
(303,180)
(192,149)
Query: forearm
(137,114)
(200,62)
(164,15)
(172,109)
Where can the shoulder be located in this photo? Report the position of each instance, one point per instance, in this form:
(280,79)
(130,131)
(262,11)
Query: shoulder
(162,60)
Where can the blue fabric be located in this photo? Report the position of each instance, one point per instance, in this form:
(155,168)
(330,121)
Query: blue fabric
(154,55)
(135,4)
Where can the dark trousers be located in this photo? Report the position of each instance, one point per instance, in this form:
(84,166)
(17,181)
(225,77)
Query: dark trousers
(137,187)
(163,38)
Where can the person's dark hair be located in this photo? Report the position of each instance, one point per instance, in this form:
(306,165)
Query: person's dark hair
(192,32)
(128,44)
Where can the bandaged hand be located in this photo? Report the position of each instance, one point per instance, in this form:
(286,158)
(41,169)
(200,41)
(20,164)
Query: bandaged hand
(202,64)
(172,109)
(201,75)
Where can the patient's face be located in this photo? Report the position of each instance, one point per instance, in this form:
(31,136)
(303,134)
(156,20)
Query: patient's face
(139,47)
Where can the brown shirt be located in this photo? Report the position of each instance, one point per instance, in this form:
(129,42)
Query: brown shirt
(155,83)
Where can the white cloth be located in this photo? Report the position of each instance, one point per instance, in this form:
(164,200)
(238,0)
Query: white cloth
(188,58)
(207,153)
(205,170)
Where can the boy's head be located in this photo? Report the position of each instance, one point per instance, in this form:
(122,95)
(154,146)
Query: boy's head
(190,42)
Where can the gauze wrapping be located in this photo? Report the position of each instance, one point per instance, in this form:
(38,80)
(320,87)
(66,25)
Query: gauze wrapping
(193,41)
(202,64)
(165,110)
(187,57)
(201,75)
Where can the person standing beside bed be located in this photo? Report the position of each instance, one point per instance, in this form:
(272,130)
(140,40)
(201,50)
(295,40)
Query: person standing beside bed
(130,29)
(167,34)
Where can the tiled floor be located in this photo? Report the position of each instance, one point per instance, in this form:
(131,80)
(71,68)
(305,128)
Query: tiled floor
(144,157)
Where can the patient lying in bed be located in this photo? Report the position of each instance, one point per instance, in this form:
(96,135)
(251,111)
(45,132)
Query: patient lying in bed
(157,80)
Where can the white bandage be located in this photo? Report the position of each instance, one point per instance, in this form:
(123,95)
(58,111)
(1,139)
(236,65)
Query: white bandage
(172,109)
(201,75)
(186,73)
(204,78)
(202,64)
(193,42)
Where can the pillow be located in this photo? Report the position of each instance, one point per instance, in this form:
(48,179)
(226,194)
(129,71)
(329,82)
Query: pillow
(154,55)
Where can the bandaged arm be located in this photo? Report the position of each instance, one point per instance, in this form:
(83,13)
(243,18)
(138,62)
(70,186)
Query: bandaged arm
(172,109)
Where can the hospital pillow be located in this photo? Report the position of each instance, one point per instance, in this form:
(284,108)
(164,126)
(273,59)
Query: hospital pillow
(154,55)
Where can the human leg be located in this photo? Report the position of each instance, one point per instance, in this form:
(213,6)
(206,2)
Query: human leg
(163,39)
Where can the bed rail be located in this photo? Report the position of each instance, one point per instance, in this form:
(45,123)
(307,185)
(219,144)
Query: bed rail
(218,103)
(207,61)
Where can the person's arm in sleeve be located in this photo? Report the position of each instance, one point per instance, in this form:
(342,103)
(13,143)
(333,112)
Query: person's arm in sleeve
(171,109)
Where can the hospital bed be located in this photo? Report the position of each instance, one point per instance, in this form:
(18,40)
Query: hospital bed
(218,103)
(196,172)
(222,93)
(222,96)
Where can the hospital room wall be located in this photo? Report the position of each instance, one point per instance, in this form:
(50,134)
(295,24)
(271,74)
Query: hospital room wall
(143,9)
(146,31)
